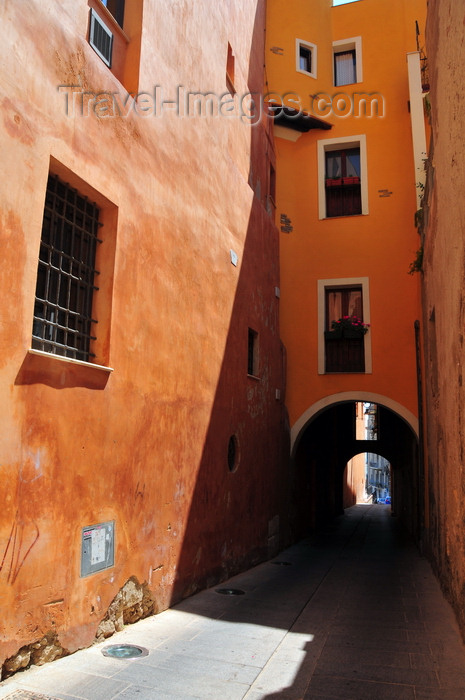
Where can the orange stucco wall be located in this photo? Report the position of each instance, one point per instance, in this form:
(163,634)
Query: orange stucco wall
(378,246)
(145,444)
(443,318)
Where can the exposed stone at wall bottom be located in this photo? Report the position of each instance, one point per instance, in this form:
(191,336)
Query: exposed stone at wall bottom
(132,603)
(40,652)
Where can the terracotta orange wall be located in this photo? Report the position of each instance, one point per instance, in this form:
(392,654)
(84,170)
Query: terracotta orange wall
(145,445)
(380,245)
(443,289)
(354,482)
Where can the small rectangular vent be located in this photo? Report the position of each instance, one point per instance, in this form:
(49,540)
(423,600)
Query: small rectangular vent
(100,38)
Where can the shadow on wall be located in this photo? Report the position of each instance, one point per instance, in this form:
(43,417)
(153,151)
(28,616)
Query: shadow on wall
(238,505)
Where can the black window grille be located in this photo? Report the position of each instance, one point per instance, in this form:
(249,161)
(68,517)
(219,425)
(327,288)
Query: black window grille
(63,323)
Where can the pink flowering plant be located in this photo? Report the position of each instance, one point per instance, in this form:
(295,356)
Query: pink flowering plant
(350,323)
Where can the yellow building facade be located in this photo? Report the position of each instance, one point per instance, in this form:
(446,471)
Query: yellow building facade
(345,87)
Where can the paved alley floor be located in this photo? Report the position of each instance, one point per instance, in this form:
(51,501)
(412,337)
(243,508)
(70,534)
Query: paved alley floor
(354,615)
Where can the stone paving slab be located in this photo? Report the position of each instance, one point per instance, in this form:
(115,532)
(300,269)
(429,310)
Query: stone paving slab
(355,614)
(200,683)
(331,688)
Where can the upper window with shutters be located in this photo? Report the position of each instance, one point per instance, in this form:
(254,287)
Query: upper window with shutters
(114,32)
(342,177)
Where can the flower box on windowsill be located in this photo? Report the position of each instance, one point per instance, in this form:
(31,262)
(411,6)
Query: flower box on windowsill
(352,333)
(333,335)
(344,333)
(350,327)
(351,180)
(333,182)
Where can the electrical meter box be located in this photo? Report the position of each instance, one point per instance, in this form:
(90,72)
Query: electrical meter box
(97,548)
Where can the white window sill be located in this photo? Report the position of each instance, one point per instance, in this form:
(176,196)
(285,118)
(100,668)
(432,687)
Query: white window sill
(69,360)
(305,72)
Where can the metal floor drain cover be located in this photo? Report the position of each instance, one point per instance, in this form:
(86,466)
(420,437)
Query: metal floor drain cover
(282,563)
(125,651)
(230,591)
(27,695)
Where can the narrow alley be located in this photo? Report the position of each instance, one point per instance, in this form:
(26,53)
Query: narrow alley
(353,614)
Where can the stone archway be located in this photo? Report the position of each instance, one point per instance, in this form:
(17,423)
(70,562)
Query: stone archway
(323,441)
(367,396)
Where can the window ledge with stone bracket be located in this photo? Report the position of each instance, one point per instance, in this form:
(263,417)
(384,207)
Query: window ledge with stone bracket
(61,372)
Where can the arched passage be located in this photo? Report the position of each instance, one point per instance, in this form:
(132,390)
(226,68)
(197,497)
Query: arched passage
(366,479)
(327,440)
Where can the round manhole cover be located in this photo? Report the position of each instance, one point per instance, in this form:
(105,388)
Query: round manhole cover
(124,651)
(230,591)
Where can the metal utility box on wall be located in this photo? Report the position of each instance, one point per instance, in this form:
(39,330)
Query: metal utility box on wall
(97,547)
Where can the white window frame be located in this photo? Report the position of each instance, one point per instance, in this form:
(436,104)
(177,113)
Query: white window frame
(324,145)
(323,285)
(313,50)
(95,19)
(352,44)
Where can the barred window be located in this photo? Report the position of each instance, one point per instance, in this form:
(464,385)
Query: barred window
(63,323)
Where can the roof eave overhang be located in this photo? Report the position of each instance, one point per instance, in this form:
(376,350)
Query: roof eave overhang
(297,120)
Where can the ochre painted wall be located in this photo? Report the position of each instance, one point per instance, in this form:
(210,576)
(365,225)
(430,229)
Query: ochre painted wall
(444,316)
(378,246)
(145,445)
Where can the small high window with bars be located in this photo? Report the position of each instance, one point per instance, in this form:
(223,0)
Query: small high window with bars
(63,323)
